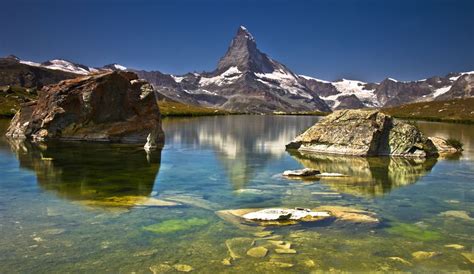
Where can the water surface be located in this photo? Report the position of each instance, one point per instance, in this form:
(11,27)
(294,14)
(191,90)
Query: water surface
(82,207)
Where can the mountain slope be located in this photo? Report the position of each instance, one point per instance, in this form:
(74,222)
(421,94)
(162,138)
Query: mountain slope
(15,73)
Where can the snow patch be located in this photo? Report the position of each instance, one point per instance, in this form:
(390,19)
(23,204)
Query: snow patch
(119,67)
(177,79)
(312,78)
(353,87)
(227,77)
(29,63)
(286,80)
(441,91)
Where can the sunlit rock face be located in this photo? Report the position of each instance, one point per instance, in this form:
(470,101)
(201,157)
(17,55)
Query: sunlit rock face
(364,133)
(112,106)
(367,176)
(93,174)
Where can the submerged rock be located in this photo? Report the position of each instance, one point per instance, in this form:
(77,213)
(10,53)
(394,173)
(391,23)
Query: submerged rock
(306,172)
(461,214)
(350,214)
(183,267)
(469,256)
(455,246)
(112,106)
(400,260)
(423,255)
(282,214)
(285,216)
(257,252)
(238,247)
(364,133)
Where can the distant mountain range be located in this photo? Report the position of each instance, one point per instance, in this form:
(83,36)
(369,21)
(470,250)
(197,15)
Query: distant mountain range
(248,80)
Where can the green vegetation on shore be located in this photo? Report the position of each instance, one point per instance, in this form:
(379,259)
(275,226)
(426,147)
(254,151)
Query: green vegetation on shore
(452,111)
(11,97)
(302,113)
(170,108)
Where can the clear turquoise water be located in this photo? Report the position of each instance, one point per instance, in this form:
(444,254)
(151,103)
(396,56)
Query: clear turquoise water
(66,207)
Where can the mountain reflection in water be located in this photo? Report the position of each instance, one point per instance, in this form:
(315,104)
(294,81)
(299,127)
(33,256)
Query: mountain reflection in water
(367,176)
(91,172)
(243,146)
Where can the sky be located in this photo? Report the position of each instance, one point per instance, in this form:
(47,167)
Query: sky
(329,39)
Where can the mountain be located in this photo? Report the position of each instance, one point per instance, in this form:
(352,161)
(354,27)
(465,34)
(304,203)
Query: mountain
(14,72)
(248,80)
(245,80)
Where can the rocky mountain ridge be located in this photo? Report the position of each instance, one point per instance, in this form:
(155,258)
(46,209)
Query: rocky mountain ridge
(248,80)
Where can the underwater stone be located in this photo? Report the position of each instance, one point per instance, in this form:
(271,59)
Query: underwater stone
(306,172)
(183,267)
(238,247)
(349,214)
(400,260)
(257,252)
(279,214)
(161,268)
(455,246)
(423,255)
(285,251)
(456,214)
(469,256)
(263,234)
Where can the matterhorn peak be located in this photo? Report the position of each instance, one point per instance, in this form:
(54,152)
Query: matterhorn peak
(243,31)
(243,54)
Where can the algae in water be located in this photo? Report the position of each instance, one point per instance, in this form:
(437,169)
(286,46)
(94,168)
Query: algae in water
(414,232)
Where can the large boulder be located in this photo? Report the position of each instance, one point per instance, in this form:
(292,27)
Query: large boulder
(112,106)
(364,133)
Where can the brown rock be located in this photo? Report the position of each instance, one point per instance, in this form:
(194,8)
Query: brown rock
(112,106)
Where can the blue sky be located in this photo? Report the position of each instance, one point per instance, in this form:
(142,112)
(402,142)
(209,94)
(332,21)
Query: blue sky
(368,40)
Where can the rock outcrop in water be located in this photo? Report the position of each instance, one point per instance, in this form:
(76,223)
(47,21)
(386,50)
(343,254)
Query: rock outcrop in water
(364,133)
(113,106)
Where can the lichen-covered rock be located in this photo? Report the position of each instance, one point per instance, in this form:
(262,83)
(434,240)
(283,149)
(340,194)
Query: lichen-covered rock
(364,133)
(112,106)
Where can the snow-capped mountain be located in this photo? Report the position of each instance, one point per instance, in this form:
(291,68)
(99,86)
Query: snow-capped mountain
(245,80)
(343,94)
(63,65)
(68,66)
(248,80)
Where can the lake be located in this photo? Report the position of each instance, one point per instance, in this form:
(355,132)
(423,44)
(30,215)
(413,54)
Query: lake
(95,207)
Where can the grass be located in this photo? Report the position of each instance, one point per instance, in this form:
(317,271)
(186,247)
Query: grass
(168,109)
(453,111)
(454,143)
(11,97)
(302,113)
